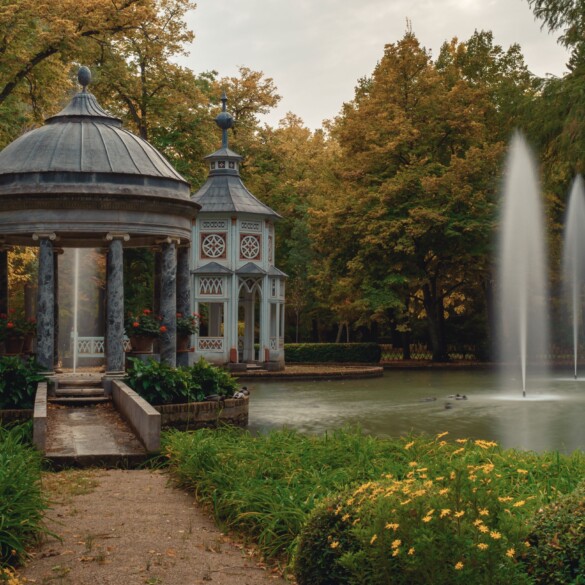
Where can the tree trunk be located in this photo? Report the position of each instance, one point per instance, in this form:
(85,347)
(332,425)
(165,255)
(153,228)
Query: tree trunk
(435,320)
(339,332)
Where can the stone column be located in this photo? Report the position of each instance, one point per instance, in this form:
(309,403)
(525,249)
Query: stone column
(183,292)
(56,253)
(115,305)
(4,279)
(249,322)
(168,301)
(46,303)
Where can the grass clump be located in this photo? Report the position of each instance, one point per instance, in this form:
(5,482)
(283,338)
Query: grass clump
(287,489)
(21,501)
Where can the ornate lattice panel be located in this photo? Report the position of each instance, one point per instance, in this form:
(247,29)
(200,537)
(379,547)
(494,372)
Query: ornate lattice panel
(250,247)
(211,285)
(270,249)
(251,226)
(213,224)
(273,287)
(213,245)
(273,343)
(210,344)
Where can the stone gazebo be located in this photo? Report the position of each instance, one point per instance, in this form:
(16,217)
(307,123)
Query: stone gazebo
(237,287)
(82,181)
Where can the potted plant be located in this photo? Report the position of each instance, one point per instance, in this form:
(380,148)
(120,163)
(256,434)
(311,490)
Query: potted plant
(142,329)
(187,325)
(12,331)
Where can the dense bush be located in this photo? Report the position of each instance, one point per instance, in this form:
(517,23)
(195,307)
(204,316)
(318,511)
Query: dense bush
(557,542)
(332,352)
(18,382)
(21,500)
(159,383)
(267,486)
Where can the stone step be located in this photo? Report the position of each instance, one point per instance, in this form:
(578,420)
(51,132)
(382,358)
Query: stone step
(253,367)
(79,400)
(79,382)
(84,391)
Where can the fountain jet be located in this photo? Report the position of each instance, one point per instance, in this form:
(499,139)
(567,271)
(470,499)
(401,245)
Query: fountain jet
(574,259)
(522,289)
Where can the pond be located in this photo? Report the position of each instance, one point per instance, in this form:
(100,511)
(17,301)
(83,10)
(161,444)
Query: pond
(552,417)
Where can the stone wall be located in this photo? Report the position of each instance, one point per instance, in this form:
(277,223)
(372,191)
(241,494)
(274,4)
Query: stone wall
(197,415)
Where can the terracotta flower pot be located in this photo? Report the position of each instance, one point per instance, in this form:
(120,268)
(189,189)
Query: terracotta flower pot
(14,345)
(141,343)
(183,342)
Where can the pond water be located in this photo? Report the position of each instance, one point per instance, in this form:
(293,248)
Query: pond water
(552,417)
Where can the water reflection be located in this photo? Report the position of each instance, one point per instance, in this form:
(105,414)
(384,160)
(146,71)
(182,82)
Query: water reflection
(415,401)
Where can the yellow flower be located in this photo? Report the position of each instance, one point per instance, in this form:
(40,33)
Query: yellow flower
(522,471)
(461,441)
(505,499)
(443,491)
(510,552)
(413,464)
(334,544)
(483,528)
(396,543)
(427,519)
(405,502)
(392,526)
(482,546)
(478,522)
(395,552)
(441,478)
(452,475)
(409,445)
(484,512)
(495,535)
(445,512)
(457,451)
(519,504)
(373,539)
(526,544)
(459,566)
(345,517)
(411,550)
(440,435)
(459,514)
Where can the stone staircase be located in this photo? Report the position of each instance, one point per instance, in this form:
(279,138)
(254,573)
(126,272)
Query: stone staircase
(84,429)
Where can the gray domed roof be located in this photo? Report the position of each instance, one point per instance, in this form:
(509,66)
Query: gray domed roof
(83,138)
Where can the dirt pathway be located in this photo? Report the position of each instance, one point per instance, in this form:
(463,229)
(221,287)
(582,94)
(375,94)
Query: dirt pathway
(131,528)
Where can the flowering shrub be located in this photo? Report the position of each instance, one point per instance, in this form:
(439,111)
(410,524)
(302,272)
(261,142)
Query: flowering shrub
(9,577)
(557,542)
(187,324)
(464,522)
(143,323)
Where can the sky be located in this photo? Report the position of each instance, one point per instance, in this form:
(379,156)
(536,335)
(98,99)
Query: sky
(316,50)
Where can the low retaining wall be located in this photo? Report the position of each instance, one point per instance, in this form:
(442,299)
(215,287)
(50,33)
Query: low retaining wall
(40,417)
(14,415)
(139,414)
(198,415)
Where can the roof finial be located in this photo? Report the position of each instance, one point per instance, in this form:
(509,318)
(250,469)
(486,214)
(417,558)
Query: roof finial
(224,120)
(84,77)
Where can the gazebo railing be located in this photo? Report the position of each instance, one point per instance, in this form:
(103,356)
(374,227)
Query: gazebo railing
(93,347)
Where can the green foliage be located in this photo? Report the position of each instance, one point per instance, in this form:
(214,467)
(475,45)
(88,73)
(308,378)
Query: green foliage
(21,500)
(18,382)
(267,486)
(212,380)
(332,352)
(159,383)
(557,542)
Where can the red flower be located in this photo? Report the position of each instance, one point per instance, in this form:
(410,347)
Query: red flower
(11,311)
(135,324)
(10,324)
(163,329)
(179,315)
(146,312)
(2,315)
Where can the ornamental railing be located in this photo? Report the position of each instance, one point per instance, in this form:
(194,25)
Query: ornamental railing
(93,347)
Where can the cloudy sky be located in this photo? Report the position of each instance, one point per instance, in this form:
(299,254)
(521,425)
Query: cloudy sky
(316,50)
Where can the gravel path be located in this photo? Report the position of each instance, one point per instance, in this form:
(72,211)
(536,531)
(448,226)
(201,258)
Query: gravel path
(131,528)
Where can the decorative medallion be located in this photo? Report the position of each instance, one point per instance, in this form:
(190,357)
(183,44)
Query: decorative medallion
(213,246)
(250,247)
(221,164)
(232,164)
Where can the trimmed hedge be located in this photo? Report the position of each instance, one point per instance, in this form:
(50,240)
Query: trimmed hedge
(310,353)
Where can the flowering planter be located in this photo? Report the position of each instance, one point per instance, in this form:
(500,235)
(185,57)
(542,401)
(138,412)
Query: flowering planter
(141,343)
(198,415)
(14,345)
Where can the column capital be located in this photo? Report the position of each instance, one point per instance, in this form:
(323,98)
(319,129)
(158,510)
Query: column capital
(58,251)
(44,236)
(111,236)
(169,240)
